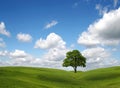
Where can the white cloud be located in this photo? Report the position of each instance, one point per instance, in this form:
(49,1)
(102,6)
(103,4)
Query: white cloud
(102,10)
(88,40)
(95,54)
(51,41)
(24,37)
(115,3)
(105,31)
(4,53)
(98,57)
(3,60)
(56,51)
(55,56)
(20,57)
(18,54)
(4,63)
(3,29)
(52,58)
(51,24)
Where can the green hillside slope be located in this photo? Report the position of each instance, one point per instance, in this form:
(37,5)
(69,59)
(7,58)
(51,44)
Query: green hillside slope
(26,77)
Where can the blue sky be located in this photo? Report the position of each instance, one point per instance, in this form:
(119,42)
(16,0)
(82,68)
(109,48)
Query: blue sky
(40,32)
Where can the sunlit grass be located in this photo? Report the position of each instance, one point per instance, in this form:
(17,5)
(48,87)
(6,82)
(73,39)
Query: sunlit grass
(26,77)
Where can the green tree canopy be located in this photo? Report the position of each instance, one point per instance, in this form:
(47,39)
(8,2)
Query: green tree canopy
(74,58)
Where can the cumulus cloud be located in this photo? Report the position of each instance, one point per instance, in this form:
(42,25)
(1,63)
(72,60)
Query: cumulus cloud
(51,41)
(55,53)
(24,37)
(105,31)
(4,53)
(98,57)
(102,33)
(18,54)
(3,29)
(95,54)
(3,60)
(53,57)
(56,50)
(87,40)
(20,57)
(51,24)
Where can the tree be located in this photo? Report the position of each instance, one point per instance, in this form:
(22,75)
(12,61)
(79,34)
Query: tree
(74,58)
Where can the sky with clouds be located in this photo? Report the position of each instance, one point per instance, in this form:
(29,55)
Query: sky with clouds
(40,32)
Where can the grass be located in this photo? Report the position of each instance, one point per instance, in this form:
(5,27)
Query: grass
(28,77)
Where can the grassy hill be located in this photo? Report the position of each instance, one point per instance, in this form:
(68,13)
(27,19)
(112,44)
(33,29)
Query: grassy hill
(27,77)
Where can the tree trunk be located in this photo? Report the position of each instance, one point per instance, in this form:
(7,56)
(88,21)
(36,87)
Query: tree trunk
(75,69)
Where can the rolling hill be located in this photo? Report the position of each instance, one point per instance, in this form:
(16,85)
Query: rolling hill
(28,77)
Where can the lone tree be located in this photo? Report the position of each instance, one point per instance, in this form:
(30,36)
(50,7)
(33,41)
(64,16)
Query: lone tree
(74,58)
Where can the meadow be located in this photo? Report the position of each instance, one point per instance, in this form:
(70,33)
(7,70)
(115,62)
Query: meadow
(29,77)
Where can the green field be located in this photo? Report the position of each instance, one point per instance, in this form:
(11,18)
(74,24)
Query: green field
(28,77)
